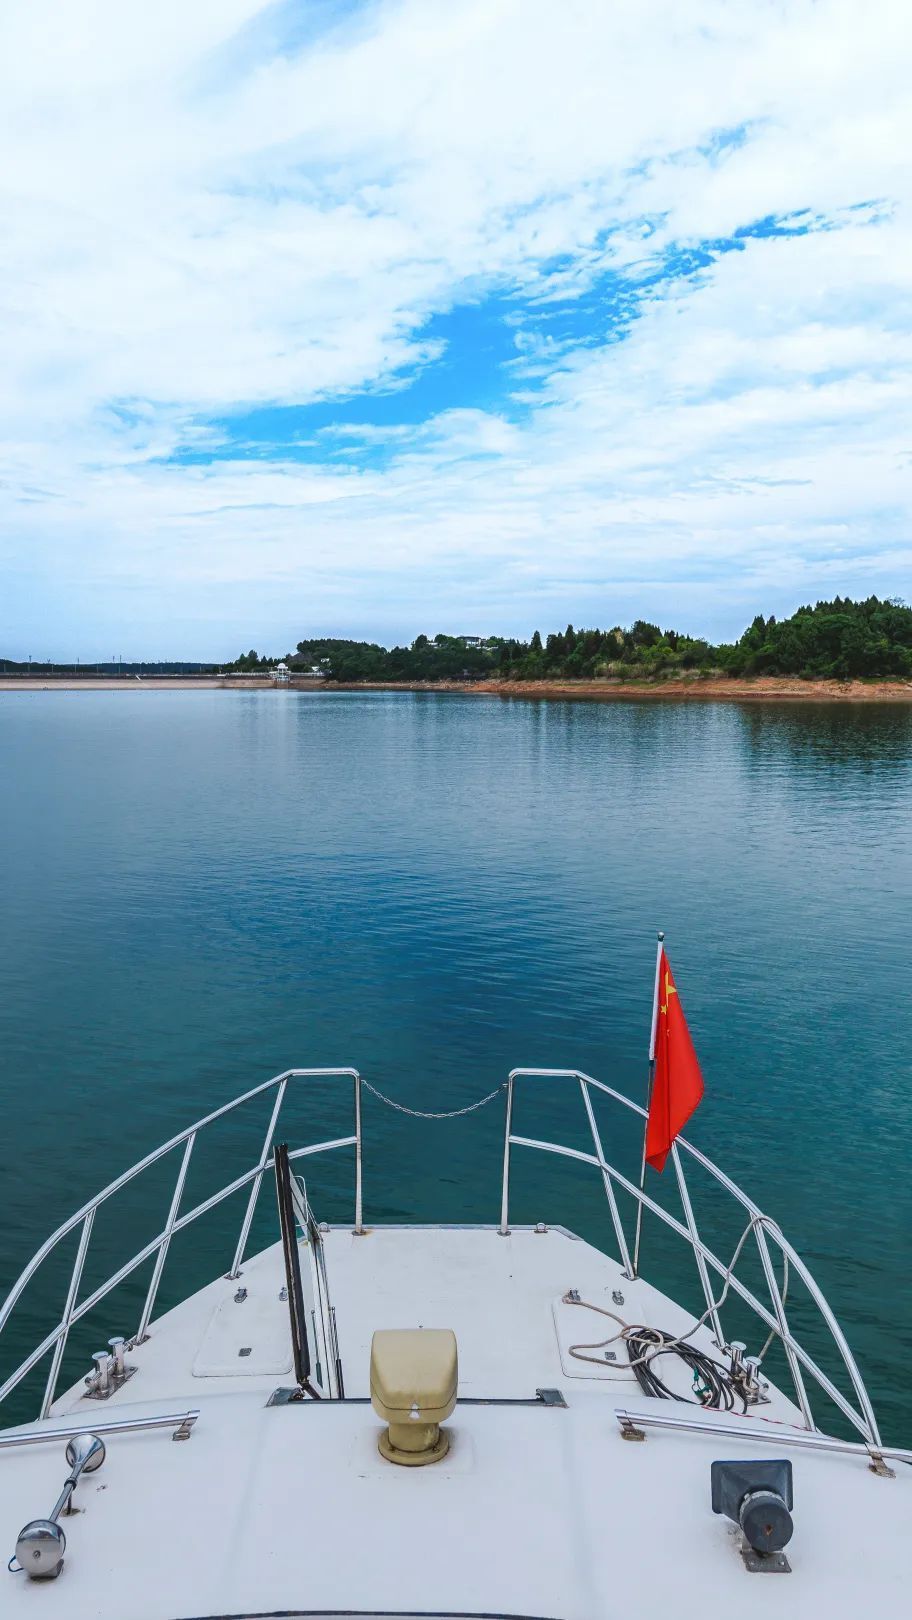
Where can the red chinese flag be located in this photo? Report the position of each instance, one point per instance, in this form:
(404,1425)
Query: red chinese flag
(677,1083)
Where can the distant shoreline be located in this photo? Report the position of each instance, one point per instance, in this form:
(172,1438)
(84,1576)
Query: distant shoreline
(714,689)
(122,683)
(720,689)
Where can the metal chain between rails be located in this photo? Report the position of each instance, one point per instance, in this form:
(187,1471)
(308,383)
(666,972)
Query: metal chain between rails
(420,1113)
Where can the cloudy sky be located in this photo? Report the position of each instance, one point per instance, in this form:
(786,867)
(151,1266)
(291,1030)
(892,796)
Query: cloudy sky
(376,316)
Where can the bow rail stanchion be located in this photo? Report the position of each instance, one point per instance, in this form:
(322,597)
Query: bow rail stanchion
(55,1342)
(773,1315)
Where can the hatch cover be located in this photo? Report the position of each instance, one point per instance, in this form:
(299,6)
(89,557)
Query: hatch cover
(245,1340)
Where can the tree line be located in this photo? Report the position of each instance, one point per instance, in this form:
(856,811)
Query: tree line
(841,640)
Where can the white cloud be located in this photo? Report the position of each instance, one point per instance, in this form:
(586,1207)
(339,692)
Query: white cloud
(195,221)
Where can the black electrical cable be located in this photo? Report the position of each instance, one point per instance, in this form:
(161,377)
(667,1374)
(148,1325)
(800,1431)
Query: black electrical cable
(714,1386)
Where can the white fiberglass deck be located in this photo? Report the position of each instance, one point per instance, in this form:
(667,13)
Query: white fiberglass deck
(501,1295)
(538,1511)
(542,1508)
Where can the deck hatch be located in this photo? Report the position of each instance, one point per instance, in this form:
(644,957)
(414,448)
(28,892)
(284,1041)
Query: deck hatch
(245,1341)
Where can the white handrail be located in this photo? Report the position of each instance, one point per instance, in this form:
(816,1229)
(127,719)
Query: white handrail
(75,1309)
(863,1418)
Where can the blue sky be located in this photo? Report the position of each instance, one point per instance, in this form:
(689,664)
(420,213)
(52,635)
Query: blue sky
(372,318)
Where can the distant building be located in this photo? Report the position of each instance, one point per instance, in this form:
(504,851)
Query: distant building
(281,675)
(472,641)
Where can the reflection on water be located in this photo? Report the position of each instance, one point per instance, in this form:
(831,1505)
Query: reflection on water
(202,888)
(873,737)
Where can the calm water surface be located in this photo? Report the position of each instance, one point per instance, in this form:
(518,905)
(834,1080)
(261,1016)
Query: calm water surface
(201,889)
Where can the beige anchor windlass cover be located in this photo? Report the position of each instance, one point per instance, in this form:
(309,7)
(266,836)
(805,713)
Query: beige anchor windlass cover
(413,1368)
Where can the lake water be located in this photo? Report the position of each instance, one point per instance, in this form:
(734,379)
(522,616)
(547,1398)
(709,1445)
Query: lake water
(201,889)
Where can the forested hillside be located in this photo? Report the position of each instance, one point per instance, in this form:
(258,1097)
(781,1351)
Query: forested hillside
(839,640)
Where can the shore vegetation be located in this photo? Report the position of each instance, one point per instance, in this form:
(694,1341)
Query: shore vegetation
(838,640)
(842,640)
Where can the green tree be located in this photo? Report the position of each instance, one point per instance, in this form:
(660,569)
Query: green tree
(838,639)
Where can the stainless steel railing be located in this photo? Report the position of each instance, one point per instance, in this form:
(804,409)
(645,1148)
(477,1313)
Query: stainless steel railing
(74,1308)
(764,1231)
(773,1316)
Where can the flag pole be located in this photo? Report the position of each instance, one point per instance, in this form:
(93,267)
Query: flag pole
(660,945)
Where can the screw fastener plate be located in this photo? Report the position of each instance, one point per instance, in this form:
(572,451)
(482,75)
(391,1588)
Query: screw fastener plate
(765,1563)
